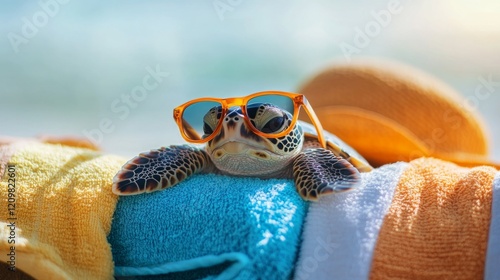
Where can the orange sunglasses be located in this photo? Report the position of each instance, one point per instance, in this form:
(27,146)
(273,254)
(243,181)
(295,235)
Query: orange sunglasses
(196,107)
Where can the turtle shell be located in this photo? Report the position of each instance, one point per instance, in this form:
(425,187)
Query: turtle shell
(337,146)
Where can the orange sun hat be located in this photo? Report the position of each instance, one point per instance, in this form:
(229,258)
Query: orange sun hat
(391,112)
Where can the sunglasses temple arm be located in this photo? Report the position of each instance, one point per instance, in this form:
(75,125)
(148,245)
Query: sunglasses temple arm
(317,124)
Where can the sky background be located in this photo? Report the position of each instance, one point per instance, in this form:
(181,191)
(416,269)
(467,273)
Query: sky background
(65,67)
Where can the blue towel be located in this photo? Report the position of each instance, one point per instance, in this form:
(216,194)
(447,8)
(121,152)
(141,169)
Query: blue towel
(210,227)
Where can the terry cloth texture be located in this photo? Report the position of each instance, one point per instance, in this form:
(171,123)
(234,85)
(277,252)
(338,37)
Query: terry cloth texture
(210,226)
(59,212)
(427,219)
(423,219)
(341,230)
(438,223)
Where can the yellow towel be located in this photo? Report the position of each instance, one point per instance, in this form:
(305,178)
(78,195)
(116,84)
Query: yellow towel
(64,205)
(55,224)
(438,223)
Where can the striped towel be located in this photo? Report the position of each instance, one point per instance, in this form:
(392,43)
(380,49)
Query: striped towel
(421,218)
(427,219)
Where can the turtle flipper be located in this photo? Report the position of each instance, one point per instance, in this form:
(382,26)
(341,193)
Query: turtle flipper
(319,172)
(159,169)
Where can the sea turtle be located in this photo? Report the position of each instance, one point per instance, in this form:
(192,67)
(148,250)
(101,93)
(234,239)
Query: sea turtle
(237,151)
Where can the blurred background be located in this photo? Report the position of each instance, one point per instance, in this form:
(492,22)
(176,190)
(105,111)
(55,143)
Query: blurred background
(114,70)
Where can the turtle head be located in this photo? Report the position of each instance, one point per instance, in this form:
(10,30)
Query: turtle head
(236,150)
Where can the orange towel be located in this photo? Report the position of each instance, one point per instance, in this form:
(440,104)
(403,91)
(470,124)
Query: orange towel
(432,221)
(437,226)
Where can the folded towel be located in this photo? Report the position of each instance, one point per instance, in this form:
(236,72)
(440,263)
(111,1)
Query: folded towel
(423,219)
(56,204)
(210,226)
(340,231)
(426,219)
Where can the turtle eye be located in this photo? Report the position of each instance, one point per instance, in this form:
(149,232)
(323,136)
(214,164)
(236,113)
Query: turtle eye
(207,129)
(273,125)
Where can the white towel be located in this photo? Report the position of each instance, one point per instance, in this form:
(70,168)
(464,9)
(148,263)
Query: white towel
(344,227)
(492,268)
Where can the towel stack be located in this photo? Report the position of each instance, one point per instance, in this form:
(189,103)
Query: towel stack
(210,226)
(56,209)
(421,218)
(427,219)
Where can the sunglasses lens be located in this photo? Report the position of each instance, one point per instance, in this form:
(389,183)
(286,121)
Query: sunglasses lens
(200,119)
(270,114)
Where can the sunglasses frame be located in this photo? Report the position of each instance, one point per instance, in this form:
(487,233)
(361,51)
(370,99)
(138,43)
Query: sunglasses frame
(299,100)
